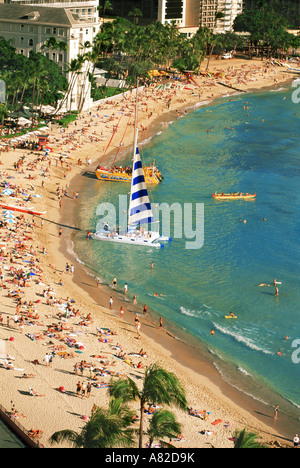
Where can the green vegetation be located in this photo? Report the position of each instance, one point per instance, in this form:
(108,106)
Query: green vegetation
(289,9)
(128,51)
(64,121)
(267,28)
(244,439)
(114,426)
(30,80)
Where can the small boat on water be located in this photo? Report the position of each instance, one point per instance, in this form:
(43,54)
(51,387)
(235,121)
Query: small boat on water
(118,174)
(233,196)
(140,211)
(22,209)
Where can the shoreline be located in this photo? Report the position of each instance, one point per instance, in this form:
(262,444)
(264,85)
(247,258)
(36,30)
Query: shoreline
(207,390)
(170,343)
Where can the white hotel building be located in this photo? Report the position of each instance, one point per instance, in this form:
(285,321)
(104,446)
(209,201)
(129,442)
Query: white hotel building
(28,25)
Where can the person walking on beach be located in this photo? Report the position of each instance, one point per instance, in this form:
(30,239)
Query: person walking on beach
(47,358)
(296,441)
(276,413)
(125,289)
(110,302)
(137,325)
(78,388)
(83,390)
(121,312)
(88,389)
(114,282)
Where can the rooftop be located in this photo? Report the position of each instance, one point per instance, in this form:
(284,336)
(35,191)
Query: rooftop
(40,15)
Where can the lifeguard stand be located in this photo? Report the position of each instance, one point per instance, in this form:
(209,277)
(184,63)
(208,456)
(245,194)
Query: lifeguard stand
(43,141)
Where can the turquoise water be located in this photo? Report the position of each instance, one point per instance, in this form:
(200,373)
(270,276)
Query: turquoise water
(198,155)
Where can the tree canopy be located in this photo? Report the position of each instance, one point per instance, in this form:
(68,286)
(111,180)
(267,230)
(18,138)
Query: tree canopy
(267,27)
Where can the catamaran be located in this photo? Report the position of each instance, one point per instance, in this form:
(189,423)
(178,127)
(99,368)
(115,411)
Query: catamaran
(140,211)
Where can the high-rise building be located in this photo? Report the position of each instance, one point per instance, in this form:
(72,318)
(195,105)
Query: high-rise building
(230,9)
(216,15)
(185,13)
(123,8)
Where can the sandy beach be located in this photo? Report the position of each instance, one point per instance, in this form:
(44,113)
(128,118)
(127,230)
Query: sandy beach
(35,319)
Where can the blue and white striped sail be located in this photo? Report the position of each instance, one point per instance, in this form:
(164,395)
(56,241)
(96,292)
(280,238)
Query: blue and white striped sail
(140,211)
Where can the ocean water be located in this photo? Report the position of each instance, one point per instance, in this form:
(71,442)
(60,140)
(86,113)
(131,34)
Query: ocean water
(247,143)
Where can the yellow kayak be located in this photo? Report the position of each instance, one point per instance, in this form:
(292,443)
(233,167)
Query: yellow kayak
(233,196)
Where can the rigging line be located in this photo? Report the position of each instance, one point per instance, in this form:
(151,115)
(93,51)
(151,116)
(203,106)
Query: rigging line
(128,123)
(114,132)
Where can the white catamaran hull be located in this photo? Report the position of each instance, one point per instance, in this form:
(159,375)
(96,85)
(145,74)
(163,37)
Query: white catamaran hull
(132,240)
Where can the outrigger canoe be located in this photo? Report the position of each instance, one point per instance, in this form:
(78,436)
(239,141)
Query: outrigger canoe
(22,209)
(233,196)
(151,174)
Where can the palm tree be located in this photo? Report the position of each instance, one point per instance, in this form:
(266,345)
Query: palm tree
(244,439)
(3,115)
(106,428)
(107,6)
(159,387)
(163,424)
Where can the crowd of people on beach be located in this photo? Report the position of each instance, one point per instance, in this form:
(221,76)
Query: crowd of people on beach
(36,302)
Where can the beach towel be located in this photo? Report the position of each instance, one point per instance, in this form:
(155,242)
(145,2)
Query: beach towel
(218,421)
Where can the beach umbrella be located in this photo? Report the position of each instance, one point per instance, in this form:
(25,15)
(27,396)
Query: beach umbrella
(7,192)
(10,221)
(8,216)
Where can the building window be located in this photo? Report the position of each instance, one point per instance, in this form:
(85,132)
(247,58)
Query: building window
(54,30)
(22,27)
(48,31)
(30,42)
(22,40)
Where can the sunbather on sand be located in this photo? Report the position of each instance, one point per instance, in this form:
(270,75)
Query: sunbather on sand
(34,393)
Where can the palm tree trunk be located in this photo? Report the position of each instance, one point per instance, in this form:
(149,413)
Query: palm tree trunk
(32,110)
(141,423)
(21,102)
